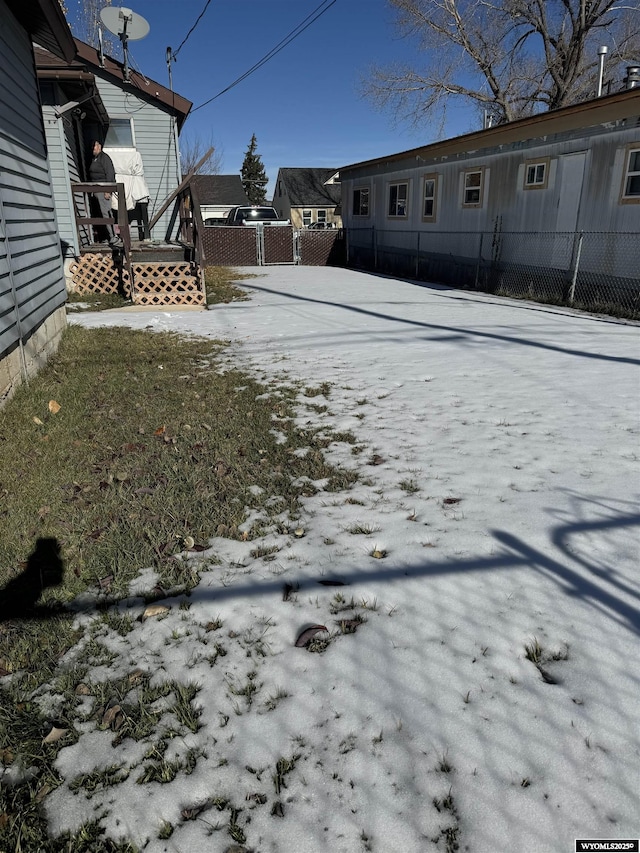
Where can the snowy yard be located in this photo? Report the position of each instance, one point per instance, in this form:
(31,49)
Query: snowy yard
(478,685)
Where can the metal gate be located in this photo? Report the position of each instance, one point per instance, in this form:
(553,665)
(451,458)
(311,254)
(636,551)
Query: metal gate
(275,244)
(279,244)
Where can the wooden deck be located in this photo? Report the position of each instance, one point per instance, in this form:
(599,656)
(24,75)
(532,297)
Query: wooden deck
(157,274)
(149,272)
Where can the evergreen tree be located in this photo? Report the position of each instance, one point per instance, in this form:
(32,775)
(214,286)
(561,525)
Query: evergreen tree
(254,178)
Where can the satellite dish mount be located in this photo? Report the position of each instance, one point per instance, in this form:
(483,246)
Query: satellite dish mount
(127,25)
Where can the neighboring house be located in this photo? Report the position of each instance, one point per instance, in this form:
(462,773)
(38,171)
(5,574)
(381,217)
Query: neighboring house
(307,196)
(569,170)
(32,288)
(217,194)
(89,96)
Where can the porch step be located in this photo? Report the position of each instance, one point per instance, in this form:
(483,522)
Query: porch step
(143,253)
(166,284)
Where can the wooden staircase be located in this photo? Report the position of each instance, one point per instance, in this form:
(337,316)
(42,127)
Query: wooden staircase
(149,272)
(154,274)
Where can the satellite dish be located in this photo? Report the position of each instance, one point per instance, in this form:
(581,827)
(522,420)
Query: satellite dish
(121,21)
(126,24)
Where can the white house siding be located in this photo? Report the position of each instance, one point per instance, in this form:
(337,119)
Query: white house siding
(584,178)
(155,139)
(31,276)
(215,211)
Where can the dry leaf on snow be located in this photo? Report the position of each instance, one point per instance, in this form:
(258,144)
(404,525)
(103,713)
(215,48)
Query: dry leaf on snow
(55,733)
(112,718)
(136,676)
(309,634)
(154,610)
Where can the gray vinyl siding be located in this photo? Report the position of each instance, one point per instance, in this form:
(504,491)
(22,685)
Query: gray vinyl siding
(64,161)
(155,140)
(31,274)
(504,198)
(60,177)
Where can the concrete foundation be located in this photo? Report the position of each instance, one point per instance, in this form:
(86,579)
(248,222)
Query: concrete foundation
(25,361)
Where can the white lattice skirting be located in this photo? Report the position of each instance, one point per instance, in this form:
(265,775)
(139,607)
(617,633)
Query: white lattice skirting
(168,283)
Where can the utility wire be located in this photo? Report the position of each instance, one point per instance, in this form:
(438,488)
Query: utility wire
(184,40)
(302,26)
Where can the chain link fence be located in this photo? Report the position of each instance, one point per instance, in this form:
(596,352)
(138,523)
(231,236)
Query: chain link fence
(594,271)
(225,246)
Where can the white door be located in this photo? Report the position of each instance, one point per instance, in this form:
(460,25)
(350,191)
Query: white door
(570,179)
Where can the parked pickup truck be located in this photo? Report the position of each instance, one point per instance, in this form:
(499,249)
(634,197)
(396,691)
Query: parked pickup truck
(254,215)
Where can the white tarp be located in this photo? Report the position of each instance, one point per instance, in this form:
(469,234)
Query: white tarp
(129,169)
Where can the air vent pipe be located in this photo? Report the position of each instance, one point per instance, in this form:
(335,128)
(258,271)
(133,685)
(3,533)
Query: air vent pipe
(633,77)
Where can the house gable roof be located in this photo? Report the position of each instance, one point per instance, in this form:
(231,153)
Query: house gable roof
(308,187)
(87,65)
(610,108)
(219,189)
(45,22)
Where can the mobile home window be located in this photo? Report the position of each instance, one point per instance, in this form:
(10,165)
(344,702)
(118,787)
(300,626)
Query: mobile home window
(429,198)
(473,188)
(361,202)
(535,174)
(120,134)
(398,194)
(632,176)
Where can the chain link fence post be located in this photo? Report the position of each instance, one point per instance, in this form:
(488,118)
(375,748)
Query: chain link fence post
(576,266)
(477,281)
(374,239)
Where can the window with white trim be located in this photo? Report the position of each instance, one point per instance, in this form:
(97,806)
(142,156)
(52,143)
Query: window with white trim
(535,174)
(429,197)
(398,195)
(361,201)
(120,134)
(631,187)
(473,187)
(321,215)
(306,218)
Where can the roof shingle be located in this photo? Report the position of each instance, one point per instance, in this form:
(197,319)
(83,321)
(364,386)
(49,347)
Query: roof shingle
(307,188)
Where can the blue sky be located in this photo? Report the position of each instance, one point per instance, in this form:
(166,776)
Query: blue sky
(303,105)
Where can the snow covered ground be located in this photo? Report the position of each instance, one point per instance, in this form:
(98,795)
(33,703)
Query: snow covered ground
(499,448)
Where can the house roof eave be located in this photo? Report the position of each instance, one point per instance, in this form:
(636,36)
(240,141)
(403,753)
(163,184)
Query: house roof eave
(148,89)
(585,114)
(45,22)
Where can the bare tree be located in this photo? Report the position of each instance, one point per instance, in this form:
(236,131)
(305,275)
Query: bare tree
(85,23)
(509,58)
(193,149)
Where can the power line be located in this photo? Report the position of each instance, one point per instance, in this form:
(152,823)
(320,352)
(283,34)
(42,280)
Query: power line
(302,26)
(184,40)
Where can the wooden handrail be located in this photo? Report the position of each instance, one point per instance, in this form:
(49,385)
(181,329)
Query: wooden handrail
(122,221)
(180,187)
